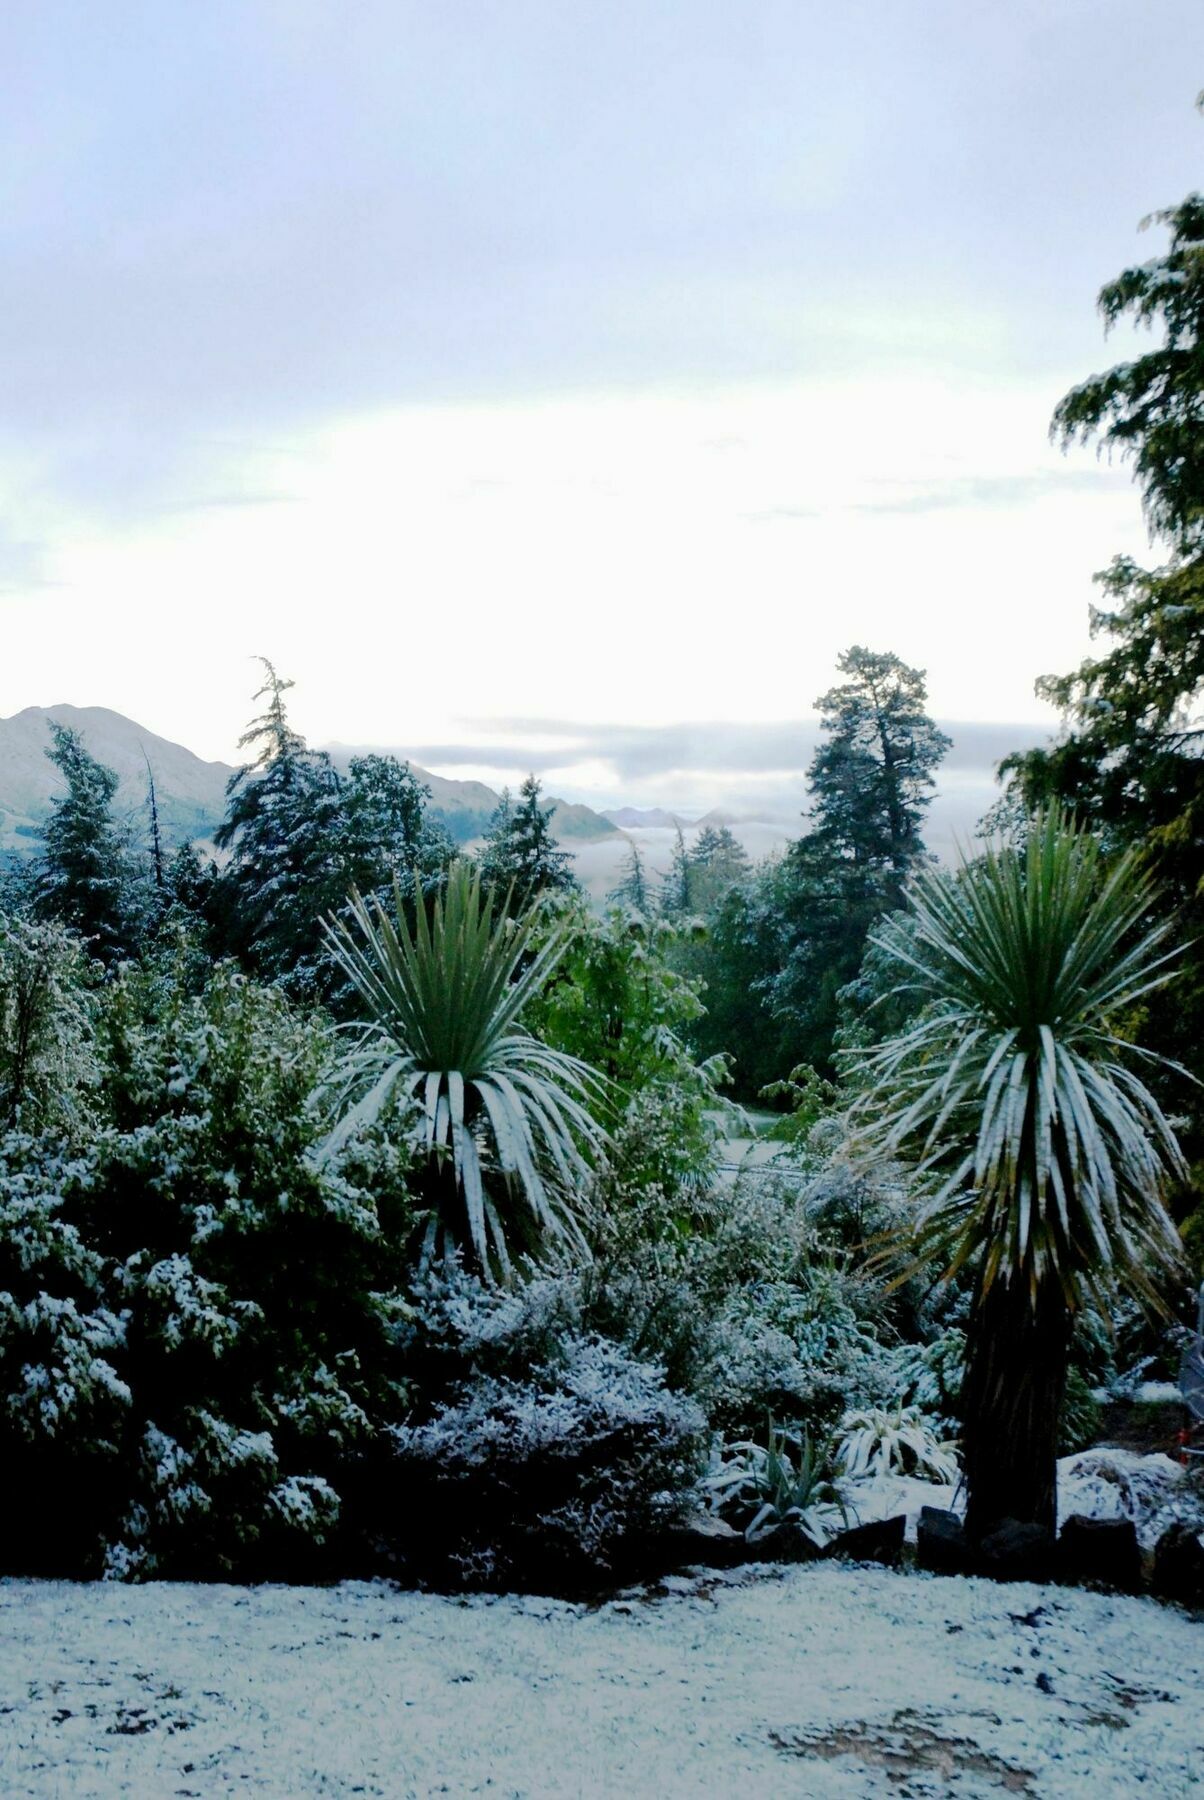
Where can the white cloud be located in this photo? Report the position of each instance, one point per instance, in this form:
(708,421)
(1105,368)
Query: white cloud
(596,554)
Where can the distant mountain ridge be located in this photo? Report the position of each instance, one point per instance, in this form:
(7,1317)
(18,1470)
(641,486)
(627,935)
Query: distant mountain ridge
(655,818)
(645,818)
(190,792)
(466,807)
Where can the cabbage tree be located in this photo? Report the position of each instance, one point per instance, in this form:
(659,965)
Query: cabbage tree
(507,1125)
(1020,1098)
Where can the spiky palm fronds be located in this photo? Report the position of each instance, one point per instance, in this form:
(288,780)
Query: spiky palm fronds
(444,1000)
(1015,1093)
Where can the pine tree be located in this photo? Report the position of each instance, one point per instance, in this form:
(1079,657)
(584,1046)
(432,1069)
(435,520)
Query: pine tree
(677,890)
(1128,760)
(283,828)
(718,862)
(871,782)
(158,864)
(87,879)
(632,889)
(520,852)
(387,833)
(870,786)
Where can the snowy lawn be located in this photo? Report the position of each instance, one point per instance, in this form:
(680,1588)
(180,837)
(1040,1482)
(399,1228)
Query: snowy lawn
(813,1681)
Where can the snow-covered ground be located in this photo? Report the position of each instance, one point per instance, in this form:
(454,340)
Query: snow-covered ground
(815,1681)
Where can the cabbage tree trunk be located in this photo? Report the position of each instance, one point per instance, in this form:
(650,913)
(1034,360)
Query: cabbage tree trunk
(1017,1352)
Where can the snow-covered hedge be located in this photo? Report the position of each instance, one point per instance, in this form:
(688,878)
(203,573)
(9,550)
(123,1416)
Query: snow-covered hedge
(199,1318)
(552,1477)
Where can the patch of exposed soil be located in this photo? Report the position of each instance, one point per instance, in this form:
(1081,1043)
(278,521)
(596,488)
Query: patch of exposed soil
(907,1748)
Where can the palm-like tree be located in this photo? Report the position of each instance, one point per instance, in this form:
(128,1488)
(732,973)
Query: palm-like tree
(508,1124)
(1043,1154)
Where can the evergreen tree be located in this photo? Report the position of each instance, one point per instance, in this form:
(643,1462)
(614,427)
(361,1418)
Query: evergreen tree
(677,891)
(870,785)
(873,779)
(1151,408)
(283,828)
(632,889)
(387,833)
(718,862)
(158,863)
(87,878)
(1129,761)
(520,852)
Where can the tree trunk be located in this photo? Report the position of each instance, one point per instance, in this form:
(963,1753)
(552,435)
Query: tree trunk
(1015,1380)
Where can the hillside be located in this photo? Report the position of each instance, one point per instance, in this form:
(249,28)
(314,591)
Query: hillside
(466,807)
(191,792)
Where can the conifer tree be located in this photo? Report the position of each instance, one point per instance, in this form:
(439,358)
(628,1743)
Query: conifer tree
(632,889)
(520,852)
(872,780)
(282,829)
(386,831)
(678,888)
(87,879)
(718,862)
(870,786)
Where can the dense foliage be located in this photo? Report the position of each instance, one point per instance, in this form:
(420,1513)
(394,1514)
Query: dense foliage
(1129,759)
(784,941)
(367,1205)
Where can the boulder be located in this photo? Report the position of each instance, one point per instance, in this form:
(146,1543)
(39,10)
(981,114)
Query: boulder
(1103,1550)
(1014,1550)
(784,1543)
(709,1543)
(941,1545)
(881,1541)
(1179,1565)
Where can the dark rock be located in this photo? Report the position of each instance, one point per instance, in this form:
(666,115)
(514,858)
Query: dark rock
(785,1543)
(1179,1565)
(941,1545)
(1014,1550)
(1104,1550)
(708,1543)
(881,1541)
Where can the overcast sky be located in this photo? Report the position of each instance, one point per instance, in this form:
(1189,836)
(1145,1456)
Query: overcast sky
(525,375)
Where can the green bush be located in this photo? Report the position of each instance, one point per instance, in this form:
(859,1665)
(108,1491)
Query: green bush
(199,1318)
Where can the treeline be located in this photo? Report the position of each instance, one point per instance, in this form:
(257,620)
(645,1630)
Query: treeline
(298,837)
(781,945)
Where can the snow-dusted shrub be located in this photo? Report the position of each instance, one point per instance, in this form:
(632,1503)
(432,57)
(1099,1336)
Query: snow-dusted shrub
(47,1065)
(931,1374)
(1154,1491)
(743,1306)
(216,1499)
(896,1440)
(64,1407)
(554,1477)
(210,1309)
(1081,1417)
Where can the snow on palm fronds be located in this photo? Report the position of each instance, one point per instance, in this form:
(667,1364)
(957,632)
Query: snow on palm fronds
(444,999)
(1015,1092)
